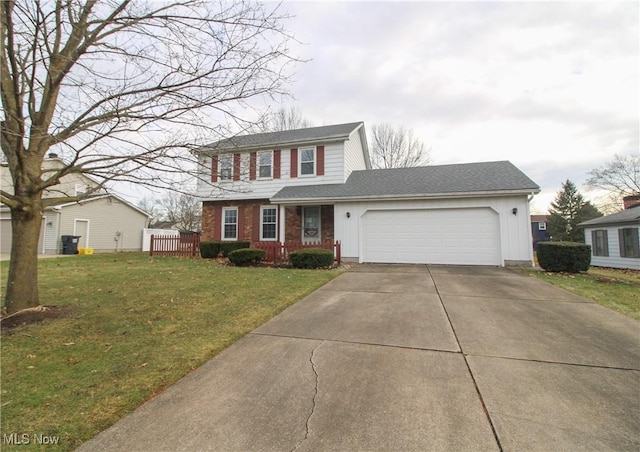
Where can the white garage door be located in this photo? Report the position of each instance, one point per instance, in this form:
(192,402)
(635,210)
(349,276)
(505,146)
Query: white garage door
(432,236)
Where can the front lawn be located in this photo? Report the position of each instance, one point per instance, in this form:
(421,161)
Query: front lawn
(615,289)
(131,326)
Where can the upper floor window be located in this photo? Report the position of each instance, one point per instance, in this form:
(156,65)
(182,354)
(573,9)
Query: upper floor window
(229,223)
(629,246)
(307,161)
(225,166)
(599,242)
(542,226)
(265,165)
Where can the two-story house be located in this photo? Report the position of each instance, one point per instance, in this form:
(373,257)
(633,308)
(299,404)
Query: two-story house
(102,221)
(317,184)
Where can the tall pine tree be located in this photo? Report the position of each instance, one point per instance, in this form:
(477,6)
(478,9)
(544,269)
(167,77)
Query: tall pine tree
(567,211)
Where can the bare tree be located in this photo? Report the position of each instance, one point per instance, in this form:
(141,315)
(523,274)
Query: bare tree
(287,119)
(123,90)
(152,207)
(619,177)
(184,211)
(396,147)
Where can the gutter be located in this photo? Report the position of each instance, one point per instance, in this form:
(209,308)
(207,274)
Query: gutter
(411,197)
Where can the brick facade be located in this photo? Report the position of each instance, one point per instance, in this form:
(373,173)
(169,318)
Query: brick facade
(293,223)
(249,218)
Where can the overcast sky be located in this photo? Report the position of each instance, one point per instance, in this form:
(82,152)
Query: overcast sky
(550,86)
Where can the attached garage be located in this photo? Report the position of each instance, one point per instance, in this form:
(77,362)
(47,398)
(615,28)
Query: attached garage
(461,214)
(432,236)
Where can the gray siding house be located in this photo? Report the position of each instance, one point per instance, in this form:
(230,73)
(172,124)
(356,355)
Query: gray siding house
(104,222)
(615,239)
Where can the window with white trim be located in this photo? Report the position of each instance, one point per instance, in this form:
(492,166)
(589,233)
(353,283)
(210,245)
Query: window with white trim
(265,165)
(307,161)
(225,166)
(229,223)
(599,242)
(268,223)
(629,243)
(542,226)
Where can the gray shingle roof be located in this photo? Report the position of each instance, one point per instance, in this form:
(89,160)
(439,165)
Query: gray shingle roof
(626,216)
(286,137)
(421,181)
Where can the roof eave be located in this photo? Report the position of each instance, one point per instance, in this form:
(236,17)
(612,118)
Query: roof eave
(408,197)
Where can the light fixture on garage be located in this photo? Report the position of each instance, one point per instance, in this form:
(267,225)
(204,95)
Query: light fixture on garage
(348,214)
(514,211)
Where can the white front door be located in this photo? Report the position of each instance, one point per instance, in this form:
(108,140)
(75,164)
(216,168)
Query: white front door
(311,224)
(81,228)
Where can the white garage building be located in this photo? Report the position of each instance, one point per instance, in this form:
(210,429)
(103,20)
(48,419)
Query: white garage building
(465,214)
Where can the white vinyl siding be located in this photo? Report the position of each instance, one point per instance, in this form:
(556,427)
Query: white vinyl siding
(108,217)
(353,155)
(514,230)
(266,188)
(614,259)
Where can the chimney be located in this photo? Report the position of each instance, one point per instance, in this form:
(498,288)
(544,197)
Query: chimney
(631,201)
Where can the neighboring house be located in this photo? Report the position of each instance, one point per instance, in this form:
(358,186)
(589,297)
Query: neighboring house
(317,184)
(103,221)
(615,239)
(539,229)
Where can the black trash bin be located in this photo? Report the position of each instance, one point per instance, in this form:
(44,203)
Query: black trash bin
(70,244)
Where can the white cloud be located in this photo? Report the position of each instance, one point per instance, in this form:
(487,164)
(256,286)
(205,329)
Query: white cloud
(551,86)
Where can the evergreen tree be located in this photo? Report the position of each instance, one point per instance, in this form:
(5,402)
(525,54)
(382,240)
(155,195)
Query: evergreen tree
(567,211)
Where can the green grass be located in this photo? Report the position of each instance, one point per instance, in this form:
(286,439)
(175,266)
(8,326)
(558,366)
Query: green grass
(136,325)
(615,289)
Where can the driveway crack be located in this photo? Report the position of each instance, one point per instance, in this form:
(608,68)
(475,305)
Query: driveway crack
(313,400)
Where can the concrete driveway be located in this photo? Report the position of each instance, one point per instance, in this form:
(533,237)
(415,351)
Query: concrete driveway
(406,358)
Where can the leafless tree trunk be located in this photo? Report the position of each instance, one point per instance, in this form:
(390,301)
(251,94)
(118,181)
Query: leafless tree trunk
(396,147)
(122,90)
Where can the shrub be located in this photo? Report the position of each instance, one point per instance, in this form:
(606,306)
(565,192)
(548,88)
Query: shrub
(246,256)
(209,250)
(311,258)
(564,256)
(227,247)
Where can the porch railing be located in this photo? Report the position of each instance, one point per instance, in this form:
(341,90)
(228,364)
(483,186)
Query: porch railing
(184,245)
(279,252)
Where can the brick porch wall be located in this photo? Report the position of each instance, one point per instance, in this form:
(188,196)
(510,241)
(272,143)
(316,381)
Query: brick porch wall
(293,223)
(293,220)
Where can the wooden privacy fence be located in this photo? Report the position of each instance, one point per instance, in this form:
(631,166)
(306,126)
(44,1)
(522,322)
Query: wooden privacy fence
(184,245)
(279,252)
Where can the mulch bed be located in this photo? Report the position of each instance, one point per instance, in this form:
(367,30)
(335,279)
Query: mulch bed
(33,315)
